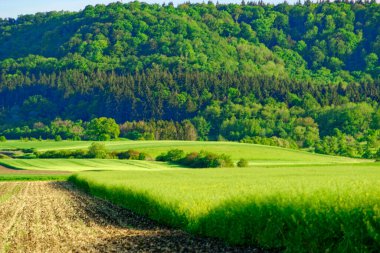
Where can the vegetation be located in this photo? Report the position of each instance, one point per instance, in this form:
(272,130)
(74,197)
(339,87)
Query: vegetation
(299,76)
(299,209)
(279,195)
(242,163)
(75,165)
(256,154)
(28,177)
(202,159)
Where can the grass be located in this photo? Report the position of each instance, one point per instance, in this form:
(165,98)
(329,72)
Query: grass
(21,177)
(287,199)
(300,209)
(75,165)
(255,154)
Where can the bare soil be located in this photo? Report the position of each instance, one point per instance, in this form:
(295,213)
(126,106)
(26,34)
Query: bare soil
(9,171)
(55,217)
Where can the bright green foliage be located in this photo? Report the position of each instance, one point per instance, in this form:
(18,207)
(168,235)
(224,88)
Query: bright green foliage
(296,208)
(3,139)
(102,129)
(284,75)
(173,155)
(97,150)
(203,159)
(206,37)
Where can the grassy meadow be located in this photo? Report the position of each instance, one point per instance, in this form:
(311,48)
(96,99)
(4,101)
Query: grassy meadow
(256,154)
(75,165)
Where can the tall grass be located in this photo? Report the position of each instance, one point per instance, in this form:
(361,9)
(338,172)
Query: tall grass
(311,209)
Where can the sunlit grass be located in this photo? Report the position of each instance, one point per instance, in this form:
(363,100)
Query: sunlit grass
(256,154)
(311,208)
(83,164)
(27,177)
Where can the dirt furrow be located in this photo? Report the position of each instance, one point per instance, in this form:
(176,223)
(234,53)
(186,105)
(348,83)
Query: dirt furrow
(55,217)
(18,205)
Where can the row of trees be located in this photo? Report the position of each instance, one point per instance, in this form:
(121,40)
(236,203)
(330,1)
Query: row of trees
(158,94)
(355,133)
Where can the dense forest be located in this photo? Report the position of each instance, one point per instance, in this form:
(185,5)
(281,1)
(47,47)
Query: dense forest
(300,76)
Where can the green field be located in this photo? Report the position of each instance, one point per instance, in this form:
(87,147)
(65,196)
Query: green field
(312,208)
(256,154)
(286,199)
(76,165)
(27,177)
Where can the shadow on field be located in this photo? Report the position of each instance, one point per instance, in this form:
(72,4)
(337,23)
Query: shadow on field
(128,232)
(166,242)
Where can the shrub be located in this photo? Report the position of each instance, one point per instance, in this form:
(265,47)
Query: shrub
(190,159)
(173,155)
(97,150)
(28,150)
(3,139)
(58,138)
(196,160)
(134,135)
(242,163)
(132,155)
(63,154)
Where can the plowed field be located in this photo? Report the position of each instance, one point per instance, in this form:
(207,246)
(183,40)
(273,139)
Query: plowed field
(55,217)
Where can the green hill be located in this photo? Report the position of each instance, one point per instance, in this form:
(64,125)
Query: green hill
(256,154)
(301,76)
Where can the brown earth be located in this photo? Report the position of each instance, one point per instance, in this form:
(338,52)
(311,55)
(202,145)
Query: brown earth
(55,217)
(8,171)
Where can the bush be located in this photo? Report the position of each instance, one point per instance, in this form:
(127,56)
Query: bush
(58,138)
(173,155)
(3,139)
(135,135)
(52,154)
(196,160)
(97,150)
(242,163)
(132,155)
(28,150)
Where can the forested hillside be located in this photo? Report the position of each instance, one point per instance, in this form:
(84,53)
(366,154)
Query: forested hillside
(302,76)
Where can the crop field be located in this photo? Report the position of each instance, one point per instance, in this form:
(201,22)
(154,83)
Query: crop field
(55,217)
(301,209)
(256,154)
(285,200)
(74,165)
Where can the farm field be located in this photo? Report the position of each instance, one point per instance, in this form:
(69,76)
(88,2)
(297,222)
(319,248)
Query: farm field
(75,165)
(7,174)
(256,154)
(334,208)
(55,217)
(285,200)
